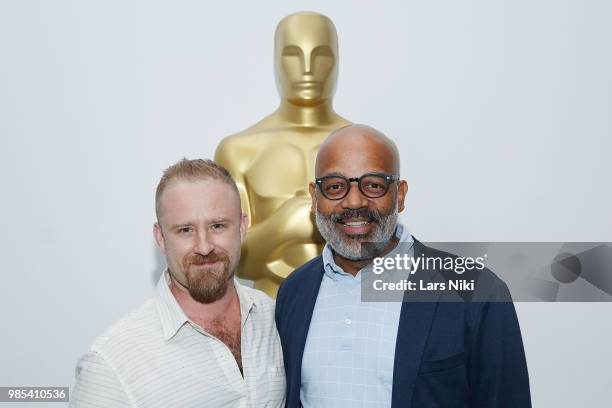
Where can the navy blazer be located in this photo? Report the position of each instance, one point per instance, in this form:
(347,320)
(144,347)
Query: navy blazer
(447,354)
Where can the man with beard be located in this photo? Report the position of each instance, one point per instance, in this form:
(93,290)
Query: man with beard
(203,340)
(342,351)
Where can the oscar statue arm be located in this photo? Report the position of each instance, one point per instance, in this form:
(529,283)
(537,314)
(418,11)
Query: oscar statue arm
(266,240)
(291,223)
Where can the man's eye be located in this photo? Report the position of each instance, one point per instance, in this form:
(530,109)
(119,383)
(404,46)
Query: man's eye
(185,230)
(218,227)
(334,187)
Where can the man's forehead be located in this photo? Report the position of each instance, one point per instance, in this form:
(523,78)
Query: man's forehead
(355,153)
(206,199)
(352,169)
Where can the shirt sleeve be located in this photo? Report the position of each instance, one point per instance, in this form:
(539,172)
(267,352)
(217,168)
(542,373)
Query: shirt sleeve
(97,385)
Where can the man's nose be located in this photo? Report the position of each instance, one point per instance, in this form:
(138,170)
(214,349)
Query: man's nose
(354,199)
(203,244)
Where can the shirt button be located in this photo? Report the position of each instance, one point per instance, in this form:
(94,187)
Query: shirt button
(347,321)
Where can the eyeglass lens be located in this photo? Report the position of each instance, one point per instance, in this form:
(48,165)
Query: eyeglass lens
(371,186)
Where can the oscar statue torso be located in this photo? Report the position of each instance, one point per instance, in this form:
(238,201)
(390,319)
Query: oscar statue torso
(273,167)
(273,161)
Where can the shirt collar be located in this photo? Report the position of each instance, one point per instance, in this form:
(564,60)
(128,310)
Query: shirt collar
(172,316)
(247,304)
(334,271)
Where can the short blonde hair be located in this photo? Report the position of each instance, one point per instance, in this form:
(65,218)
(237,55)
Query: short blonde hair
(192,170)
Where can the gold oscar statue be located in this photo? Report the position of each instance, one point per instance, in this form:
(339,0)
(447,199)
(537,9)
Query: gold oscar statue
(273,160)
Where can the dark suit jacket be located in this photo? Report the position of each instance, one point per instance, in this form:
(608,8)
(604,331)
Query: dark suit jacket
(447,354)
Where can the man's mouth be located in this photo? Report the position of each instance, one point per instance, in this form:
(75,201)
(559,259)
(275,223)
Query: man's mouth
(205,264)
(356,223)
(198,262)
(356,227)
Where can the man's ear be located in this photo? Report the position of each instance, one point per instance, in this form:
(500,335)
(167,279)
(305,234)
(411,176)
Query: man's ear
(244,225)
(401,194)
(159,237)
(312,188)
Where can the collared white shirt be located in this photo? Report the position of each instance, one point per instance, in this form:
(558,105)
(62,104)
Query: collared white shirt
(350,348)
(156,357)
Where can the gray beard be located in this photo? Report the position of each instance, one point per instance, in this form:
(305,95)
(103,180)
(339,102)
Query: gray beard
(351,247)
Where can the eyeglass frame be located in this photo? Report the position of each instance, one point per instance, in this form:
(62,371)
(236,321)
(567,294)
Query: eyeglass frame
(390,178)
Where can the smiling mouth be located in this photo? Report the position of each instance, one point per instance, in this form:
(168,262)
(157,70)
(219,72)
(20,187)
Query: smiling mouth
(355,223)
(356,227)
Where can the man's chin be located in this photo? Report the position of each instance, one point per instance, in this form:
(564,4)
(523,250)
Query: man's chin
(352,253)
(208,296)
(365,250)
(211,292)
(361,238)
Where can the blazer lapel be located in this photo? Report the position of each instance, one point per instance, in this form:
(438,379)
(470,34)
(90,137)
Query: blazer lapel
(414,324)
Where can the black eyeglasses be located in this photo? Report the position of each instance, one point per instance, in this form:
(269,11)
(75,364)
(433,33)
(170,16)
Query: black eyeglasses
(371,185)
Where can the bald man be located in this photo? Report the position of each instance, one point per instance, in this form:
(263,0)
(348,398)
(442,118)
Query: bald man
(342,351)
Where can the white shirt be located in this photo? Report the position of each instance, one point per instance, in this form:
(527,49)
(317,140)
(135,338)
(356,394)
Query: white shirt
(157,357)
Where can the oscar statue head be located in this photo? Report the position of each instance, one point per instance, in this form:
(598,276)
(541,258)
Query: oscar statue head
(306,58)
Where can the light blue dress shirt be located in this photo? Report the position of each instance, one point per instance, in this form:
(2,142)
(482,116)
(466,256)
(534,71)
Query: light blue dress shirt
(350,348)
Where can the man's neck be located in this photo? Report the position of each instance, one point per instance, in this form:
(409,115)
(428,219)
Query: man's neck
(317,115)
(197,311)
(354,266)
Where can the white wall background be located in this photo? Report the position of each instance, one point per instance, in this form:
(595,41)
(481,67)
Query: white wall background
(501,109)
